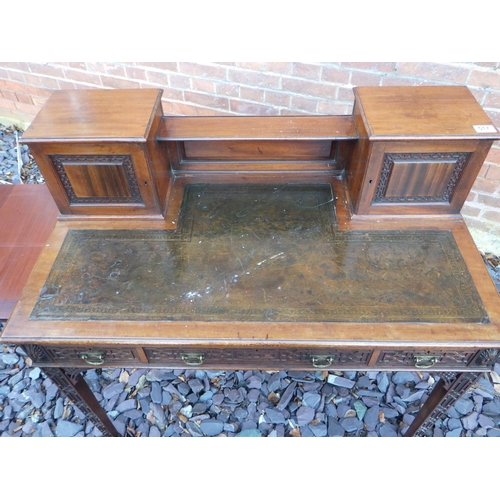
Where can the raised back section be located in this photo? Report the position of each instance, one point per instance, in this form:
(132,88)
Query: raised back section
(225,145)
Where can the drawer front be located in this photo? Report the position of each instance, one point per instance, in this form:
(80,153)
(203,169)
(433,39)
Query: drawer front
(311,359)
(424,359)
(94,356)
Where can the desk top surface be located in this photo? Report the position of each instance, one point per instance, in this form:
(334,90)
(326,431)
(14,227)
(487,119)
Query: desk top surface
(258,262)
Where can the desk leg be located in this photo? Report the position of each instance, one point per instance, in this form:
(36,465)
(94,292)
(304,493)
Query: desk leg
(73,385)
(449,388)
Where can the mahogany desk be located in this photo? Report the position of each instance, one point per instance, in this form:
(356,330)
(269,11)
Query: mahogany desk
(275,243)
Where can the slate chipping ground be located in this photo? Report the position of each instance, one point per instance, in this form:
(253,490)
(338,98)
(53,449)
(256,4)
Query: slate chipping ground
(232,403)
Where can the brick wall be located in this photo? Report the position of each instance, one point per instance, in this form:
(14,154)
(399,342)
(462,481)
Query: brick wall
(281,88)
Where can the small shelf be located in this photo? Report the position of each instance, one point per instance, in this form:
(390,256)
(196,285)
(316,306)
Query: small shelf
(221,128)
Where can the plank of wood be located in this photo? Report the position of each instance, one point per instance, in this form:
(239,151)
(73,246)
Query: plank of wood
(28,215)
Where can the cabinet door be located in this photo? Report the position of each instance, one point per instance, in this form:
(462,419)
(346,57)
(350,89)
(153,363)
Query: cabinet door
(420,178)
(86,179)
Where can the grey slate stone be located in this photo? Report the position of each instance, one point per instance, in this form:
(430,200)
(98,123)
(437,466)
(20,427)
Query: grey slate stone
(249,433)
(304,415)
(351,424)
(464,406)
(334,429)
(211,427)
(387,430)
(470,421)
(402,377)
(65,428)
(286,396)
(311,399)
(128,404)
(371,417)
(113,389)
(485,421)
(341,381)
(275,416)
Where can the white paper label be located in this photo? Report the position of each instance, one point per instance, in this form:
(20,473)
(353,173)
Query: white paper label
(484,129)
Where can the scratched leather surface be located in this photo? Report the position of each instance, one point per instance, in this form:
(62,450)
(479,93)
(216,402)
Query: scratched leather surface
(259,253)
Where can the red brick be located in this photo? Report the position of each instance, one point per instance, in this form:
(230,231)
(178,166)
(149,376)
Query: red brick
(493,156)
(381,67)
(490,201)
(469,211)
(283,68)
(27,108)
(227,89)
(293,112)
(304,104)
(177,108)
(488,79)
(493,65)
(106,68)
(472,196)
(168,66)
(135,73)
(345,94)
(250,108)
(7,103)
(65,85)
(478,94)
(9,94)
(434,71)
(24,98)
(118,83)
(16,76)
(492,100)
(77,65)
(494,116)
(46,70)
(365,79)
(84,77)
(226,63)
(254,78)
(42,81)
(493,172)
(210,112)
(483,170)
(400,81)
(23,88)
(251,94)
(195,69)
(203,85)
(179,81)
(331,108)
(4,75)
(335,75)
(303,70)
(156,77)
(173,94)
(20,66)
(306,87)
(491,215)
(206,100)
(254,66)
(485,185)
(277,98)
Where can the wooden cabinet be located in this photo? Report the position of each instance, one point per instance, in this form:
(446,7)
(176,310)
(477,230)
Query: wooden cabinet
(419,150)
(98,153)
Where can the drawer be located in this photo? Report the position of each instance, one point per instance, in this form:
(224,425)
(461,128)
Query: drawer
(244,358)
(424,359)
(94,356)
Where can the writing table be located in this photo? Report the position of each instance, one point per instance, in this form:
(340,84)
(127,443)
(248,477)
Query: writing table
(304,243)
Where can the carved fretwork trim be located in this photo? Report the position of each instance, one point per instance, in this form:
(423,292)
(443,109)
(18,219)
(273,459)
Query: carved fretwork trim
(36,353)
(487,357)
(460,160)
(124,161)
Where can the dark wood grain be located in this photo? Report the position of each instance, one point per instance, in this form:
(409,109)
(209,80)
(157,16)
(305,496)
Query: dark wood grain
(253,127)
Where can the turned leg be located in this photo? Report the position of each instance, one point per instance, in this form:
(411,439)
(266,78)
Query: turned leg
(74,386)
(449,388)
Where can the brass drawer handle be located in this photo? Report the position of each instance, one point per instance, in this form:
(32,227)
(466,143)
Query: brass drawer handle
(321,361)
(193,359)
(94,358)
(425,362)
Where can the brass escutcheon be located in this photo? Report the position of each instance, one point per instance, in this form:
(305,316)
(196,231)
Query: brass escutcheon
(425,362)
(94,358)
(192,359)
(321,361)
